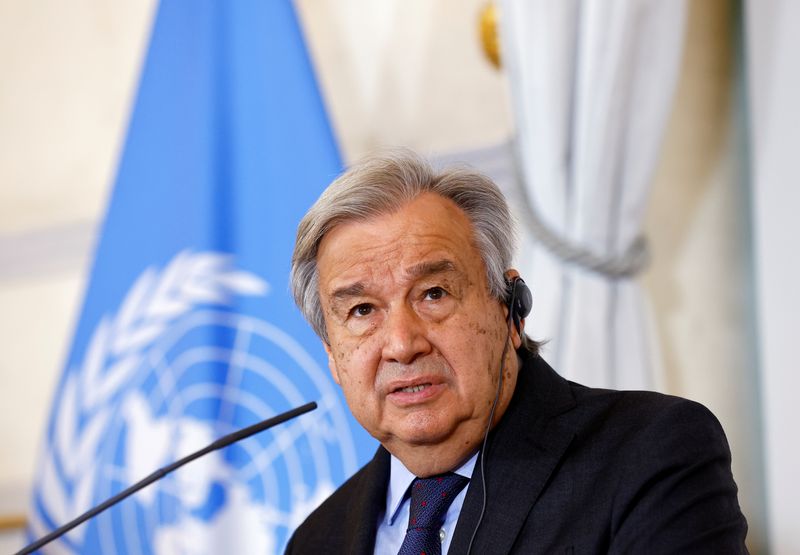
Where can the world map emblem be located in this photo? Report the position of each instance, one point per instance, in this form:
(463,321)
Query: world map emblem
(172,370)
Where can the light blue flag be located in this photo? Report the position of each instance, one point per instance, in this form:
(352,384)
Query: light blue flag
(188,331)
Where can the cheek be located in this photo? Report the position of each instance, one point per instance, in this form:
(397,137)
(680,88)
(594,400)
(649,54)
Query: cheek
(489,331)
(355,364)
(488,335)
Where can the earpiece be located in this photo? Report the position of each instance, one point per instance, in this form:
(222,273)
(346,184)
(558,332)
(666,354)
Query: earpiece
(519,300)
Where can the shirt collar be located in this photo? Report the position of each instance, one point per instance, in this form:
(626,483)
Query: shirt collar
(400,479)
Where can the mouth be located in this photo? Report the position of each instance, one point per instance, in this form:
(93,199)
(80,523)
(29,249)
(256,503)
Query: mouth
(412,388)
(419,393)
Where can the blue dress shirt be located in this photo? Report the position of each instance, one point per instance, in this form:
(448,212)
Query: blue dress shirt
(393,524)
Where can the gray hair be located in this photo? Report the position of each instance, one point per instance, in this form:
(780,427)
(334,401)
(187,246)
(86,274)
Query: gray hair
(383,184)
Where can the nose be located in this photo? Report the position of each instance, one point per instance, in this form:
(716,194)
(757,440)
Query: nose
(405,336)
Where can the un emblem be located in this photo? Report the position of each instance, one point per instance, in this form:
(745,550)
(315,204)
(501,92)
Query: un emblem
(172,371)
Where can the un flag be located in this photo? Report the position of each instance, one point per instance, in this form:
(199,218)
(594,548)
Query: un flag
(187,330)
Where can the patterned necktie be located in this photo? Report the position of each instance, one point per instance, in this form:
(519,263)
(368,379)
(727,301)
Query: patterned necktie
(430,499)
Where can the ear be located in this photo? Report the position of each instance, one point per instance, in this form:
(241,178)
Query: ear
(332,363)
(516,336)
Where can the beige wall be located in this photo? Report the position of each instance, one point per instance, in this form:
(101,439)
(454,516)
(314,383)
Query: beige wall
(68,72)
(393,72)
(406,73)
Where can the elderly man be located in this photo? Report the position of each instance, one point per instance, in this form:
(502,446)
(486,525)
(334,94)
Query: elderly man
(405,275)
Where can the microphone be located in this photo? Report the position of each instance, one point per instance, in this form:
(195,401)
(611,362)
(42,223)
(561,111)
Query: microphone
(161,472)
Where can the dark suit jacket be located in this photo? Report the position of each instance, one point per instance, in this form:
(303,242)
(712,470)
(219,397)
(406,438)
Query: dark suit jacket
(571,469)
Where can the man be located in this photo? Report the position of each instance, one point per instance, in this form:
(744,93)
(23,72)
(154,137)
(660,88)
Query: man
(405,275)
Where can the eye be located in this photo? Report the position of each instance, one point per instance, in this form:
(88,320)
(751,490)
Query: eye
(435,293)
(361,310)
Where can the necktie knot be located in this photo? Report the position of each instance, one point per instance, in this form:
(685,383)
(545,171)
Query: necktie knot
(430,499)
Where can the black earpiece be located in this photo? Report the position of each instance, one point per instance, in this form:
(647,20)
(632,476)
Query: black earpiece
(519,300)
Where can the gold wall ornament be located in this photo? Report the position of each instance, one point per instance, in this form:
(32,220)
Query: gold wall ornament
(490,38)
(9,522)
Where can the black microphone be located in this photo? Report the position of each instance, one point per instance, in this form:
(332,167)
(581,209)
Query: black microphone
(161,472)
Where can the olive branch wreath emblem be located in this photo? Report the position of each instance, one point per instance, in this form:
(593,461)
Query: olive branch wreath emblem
(157,299)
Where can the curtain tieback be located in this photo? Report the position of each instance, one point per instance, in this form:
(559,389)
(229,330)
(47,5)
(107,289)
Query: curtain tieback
(635,258)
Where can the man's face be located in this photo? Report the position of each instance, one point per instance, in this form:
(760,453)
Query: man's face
(415,337)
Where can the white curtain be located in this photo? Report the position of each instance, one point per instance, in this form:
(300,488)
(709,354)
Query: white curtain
(592,85)
(772,44)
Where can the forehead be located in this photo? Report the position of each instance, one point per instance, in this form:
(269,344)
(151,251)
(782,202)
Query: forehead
(427,229)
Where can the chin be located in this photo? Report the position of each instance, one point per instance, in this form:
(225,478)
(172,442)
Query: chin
(422,437)
(424,429)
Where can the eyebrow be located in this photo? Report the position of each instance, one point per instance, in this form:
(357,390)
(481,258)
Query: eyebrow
(354,290)
(423,269)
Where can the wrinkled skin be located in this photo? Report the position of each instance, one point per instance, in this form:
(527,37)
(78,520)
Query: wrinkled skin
(415,338)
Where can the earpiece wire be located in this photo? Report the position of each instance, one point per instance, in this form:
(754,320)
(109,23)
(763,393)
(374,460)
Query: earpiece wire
(509,321)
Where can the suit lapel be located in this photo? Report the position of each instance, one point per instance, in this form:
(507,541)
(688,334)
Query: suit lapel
(360,521)
(524,450)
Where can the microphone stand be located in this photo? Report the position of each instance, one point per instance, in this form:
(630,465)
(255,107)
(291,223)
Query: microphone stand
(161,472)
